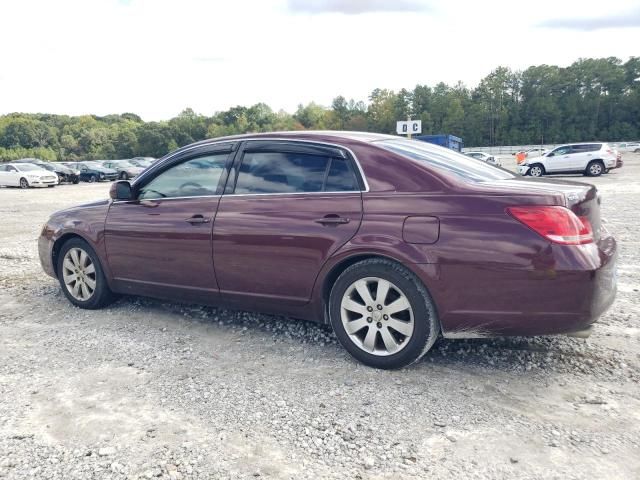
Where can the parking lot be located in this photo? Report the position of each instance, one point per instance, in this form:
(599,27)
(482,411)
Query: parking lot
(147,389)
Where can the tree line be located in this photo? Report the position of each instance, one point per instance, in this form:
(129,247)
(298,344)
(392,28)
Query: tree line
(588,100)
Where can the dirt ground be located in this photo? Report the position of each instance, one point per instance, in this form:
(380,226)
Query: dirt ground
(150,389)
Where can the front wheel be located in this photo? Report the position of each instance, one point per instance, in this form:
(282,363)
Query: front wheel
(92,179)
(594,169)
(382,314)
(81,276)
(24,183)
(536,170)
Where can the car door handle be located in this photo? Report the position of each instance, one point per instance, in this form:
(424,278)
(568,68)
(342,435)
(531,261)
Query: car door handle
(197,219)
(332,220)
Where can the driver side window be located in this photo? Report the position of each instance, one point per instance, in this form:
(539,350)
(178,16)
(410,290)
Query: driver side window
(562,151)
(196,177)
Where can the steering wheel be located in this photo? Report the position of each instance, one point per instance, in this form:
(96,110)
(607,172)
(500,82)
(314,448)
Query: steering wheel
(189,184)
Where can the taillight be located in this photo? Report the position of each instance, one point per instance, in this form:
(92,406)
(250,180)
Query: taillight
(555,223)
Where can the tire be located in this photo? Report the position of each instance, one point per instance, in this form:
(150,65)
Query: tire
(50,186)
(536,170)
(419,321)
(76,181)
(124,176)
(594,169)
(99,296)
(637,150)
(92,179)
(24,183)
(607,170)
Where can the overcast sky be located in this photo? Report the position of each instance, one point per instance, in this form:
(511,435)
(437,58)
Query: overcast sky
(156,57)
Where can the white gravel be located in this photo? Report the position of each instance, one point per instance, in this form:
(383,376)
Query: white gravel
(150,389)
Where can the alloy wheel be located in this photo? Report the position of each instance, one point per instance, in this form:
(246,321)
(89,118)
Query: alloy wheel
(79,274)
(595,169)
(377,316)
(536,172)
(24,183)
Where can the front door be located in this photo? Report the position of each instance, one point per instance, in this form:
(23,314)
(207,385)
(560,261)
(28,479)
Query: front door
(561,160)
(292,206)
(162,238)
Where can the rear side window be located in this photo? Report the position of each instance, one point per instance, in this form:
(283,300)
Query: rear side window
(445,160)
(287,172)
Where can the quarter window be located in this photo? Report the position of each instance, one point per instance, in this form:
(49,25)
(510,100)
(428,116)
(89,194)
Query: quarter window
(341,177)
(194,178)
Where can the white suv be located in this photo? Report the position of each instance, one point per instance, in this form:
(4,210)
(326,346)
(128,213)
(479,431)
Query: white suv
(591,159)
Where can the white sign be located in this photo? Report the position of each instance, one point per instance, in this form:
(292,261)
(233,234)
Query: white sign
(412,127)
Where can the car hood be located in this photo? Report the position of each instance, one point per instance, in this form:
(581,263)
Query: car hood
(96,204)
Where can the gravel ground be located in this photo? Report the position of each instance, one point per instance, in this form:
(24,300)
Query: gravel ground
(150,389)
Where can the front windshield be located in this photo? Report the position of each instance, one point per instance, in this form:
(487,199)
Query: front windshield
(92,164)
(27,167)
(445,160)
(124,164)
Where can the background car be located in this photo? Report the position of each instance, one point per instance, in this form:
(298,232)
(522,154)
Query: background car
(143,162)
(591,159)
(64,173)
(485,157)
(531,152)
(629,147)
(126,170)
(25,175)
(93,171)
(392,241)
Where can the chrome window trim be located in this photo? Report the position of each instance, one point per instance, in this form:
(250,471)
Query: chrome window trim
(288,139)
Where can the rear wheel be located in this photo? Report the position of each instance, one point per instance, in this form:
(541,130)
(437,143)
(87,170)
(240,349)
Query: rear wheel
(382,314)
(124,176)
(536,170)
(594,169)
(92,178)
(81,276)
(24,183)
(76,181)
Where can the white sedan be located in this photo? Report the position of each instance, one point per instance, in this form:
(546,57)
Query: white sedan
(485,157)
(25,175)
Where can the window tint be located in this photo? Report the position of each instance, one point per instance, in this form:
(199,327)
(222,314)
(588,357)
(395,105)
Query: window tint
(3,168)
(562,151)
(341,177)
(281,172)
(11,168)
(446,160)
(193,178)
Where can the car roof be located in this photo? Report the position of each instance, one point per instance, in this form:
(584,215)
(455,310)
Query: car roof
(366,137)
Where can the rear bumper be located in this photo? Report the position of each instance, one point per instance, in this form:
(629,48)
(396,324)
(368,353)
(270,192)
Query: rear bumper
(565,291)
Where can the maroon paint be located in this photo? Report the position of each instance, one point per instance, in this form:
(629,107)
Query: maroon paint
(487,272)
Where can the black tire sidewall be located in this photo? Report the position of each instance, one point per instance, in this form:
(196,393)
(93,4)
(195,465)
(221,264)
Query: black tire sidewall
(426,326)
(101,295)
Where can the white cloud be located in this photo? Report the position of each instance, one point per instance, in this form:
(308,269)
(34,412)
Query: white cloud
(156,57)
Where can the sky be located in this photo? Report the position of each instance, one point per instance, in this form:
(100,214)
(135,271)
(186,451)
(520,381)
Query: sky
(157,57)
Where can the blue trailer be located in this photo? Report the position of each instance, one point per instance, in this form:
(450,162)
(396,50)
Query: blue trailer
(443,139)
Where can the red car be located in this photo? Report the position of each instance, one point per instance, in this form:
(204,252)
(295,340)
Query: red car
(391,241)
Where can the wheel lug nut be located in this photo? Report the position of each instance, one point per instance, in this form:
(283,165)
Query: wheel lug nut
(369,309)
(369,319)
(379,307)
(386,317)
(379,325)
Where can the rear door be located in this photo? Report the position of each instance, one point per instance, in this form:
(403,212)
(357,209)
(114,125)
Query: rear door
(288,207)
(162,238)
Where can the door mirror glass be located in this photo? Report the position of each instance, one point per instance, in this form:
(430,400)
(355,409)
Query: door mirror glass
(120,190)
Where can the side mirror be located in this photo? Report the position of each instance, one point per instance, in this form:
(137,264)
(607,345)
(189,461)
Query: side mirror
(120,190)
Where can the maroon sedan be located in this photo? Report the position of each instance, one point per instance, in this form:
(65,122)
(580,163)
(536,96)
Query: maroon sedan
(392,241)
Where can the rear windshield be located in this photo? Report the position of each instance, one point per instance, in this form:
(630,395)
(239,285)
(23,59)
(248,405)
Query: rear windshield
(444,159)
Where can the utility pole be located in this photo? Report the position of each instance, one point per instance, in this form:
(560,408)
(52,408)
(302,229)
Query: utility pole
(408,129)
